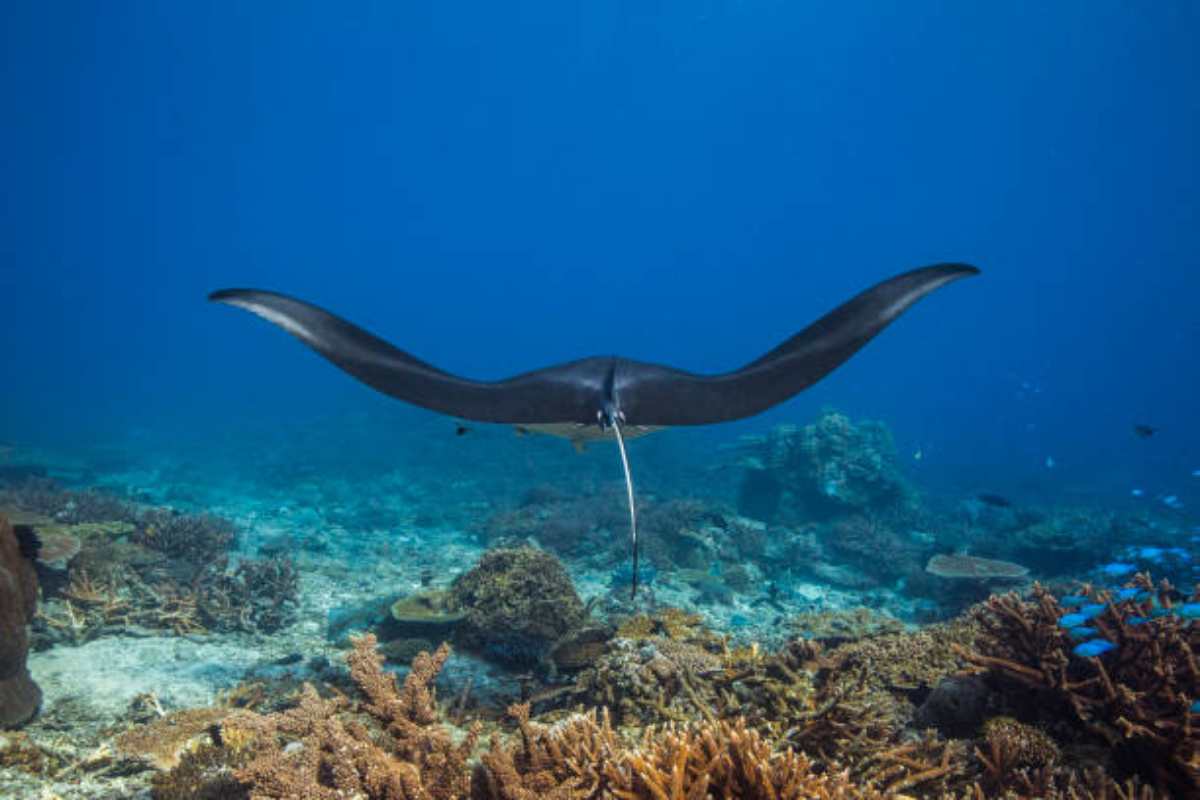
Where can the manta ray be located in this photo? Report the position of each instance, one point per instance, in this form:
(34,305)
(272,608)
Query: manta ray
(605,397)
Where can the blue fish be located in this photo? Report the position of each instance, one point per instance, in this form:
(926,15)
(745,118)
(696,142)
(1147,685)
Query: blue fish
(1128,594)
(1136,620)
(1091,610)
(1073,600)
(1189,610)
(1117,569)
(1150,553)
(1072,620)
(1082,632)
(1095,647)
(1195,709)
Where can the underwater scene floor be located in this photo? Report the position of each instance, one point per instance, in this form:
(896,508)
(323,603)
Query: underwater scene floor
(330,611)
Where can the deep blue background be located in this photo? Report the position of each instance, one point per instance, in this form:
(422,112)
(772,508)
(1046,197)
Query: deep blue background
(498,186)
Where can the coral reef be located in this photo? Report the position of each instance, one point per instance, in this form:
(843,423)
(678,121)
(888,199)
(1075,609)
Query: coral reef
(872,544)
(46,497)
(827,468)
(1056,542)
(317,749)
(194,539)
(843,625)
(518,603)
(1137,700)
(583,757)
(19,695)
(148,569)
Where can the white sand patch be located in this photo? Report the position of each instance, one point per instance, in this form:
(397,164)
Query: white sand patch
(109,672)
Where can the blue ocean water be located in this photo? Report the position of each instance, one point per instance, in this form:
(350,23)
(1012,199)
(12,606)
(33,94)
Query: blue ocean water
(499,187)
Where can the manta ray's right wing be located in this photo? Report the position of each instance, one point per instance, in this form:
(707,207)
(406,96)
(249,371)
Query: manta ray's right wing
(651,394)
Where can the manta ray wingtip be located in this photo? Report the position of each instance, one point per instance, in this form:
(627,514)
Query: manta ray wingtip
(225,295)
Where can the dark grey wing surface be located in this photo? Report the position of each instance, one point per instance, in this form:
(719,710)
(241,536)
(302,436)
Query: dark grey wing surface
(650,394)
(564,393)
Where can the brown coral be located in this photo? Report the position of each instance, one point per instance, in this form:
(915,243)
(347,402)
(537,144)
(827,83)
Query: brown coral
(1137,701)
(19,695)
(583,757)
(310,751)
(973,567)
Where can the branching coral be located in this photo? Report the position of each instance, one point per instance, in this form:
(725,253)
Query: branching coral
(583,757)
(1137,699)
(313,751)
(197,539)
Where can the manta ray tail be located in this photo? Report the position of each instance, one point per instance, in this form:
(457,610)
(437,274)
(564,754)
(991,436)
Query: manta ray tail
(629,496)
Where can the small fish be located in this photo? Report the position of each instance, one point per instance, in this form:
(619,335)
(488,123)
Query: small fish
(1138,493)
(1049,462)
(1091,610)
(1069,621)
(1195,709)
(1136,620)
(1127,594)
(461,429)
(1150,553)
(1117,569)
(918,455)
(1072,600)
(1189,610)
(1082,632)
(1095,647)
(1196,473)
(993,500)
(1144,431)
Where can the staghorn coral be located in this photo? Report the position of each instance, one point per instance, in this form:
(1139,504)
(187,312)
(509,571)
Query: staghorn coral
(194,539)
(583,757)
(843,624)
(905,661)
(1137,700)
(314,751)
(162,742)
(258,595)
(19,695)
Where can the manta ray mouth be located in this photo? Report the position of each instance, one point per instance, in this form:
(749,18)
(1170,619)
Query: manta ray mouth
(605,397)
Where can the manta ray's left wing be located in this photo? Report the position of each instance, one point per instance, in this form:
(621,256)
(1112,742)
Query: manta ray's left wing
(558,394)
